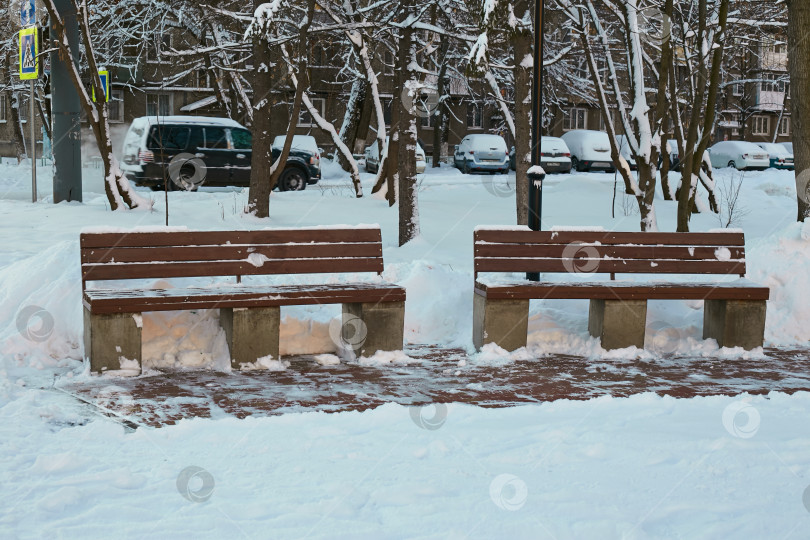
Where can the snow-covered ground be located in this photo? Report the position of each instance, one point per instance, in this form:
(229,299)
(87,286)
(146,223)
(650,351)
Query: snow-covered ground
(642,467)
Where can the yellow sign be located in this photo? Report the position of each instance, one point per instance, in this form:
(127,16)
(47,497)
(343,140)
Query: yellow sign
(29,51)
(105,85)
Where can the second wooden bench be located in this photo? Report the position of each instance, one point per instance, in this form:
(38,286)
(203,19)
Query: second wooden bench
(734,312)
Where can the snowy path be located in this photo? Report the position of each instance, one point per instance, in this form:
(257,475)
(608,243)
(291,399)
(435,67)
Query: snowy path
(432,376)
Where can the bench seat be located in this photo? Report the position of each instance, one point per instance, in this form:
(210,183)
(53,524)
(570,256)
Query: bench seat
(628,290)
(107,301)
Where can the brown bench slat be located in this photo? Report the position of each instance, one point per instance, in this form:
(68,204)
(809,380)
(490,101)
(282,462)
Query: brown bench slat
(216,238)
(229,252)
(610,266)
(649,238)
(107,301)
(229,268)
(613,251)
(624,291)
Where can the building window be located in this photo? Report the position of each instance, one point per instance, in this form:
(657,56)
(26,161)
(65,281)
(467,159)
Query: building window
(158,104)
(318,56)
(305,119)
(574,118)
(116,106)
(3,108)
(737,89)
(22,111)
(388,63)
(199,78)
(784,126)
(158,48)
(387,107)
(475,116)
(761,125)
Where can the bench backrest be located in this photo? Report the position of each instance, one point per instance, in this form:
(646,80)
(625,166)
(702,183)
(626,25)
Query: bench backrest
(139,255)
(500,250)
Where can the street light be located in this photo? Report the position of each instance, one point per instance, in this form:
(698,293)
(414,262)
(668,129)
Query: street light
(536,178)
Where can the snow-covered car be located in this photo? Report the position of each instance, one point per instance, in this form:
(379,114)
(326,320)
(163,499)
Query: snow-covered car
(788,146)
(590,150)
(624,150)
(740,155)
(554,156)
(372,155)
(304,155)
(780,157)
(223,146)
(482,153)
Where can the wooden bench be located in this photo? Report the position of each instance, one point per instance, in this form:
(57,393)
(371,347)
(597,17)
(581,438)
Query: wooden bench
(249,313)
(734,312)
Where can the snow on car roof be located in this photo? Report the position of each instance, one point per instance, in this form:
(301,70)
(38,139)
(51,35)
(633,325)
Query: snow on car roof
(197,120)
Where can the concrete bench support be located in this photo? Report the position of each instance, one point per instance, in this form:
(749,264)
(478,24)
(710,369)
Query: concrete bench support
(381,327)
(735,323)
(618,323)
(504,322)
(110,338)
(252,333)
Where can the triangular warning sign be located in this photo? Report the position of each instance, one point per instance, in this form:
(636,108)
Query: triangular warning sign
(28,55)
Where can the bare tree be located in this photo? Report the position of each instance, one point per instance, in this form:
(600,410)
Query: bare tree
(117,187)
(799,60)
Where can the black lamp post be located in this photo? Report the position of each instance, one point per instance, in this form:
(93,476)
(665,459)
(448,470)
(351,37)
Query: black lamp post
(536,179)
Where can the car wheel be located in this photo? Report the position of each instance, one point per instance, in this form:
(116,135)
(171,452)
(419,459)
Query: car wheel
(732,164)
(575,164)
(466,168)
(293,179)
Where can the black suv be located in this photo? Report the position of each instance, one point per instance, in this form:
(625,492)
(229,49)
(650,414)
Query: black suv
(193,151)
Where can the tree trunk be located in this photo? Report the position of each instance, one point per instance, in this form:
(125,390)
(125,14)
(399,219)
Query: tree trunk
(351,120)
(440,114)
(799,60)
(261,163)
(406,129)
(522,43)
(118,189)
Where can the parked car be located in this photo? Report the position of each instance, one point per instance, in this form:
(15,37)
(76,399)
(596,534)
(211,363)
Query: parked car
(624,150)
(789,146)
(373,158)
(740,155)
(224,146)
(482,153)
(303,163)
(590,150)
(554,156)
(780,157)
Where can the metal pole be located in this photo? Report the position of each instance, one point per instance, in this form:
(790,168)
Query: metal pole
(33,156)
(536,186)
(66,110)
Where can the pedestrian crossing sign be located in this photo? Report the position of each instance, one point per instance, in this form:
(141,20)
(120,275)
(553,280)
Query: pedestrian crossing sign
(29,50)
(105,85)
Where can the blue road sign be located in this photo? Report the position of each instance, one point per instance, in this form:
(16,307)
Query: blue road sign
(28,12)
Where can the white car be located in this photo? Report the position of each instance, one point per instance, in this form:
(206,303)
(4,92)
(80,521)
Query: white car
(780,157)
(373,158)
(740,155)
(590,150)
(789,146)
(482,153)
(555,157)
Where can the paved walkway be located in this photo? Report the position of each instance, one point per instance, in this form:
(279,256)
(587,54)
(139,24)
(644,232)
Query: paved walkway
(165,398)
